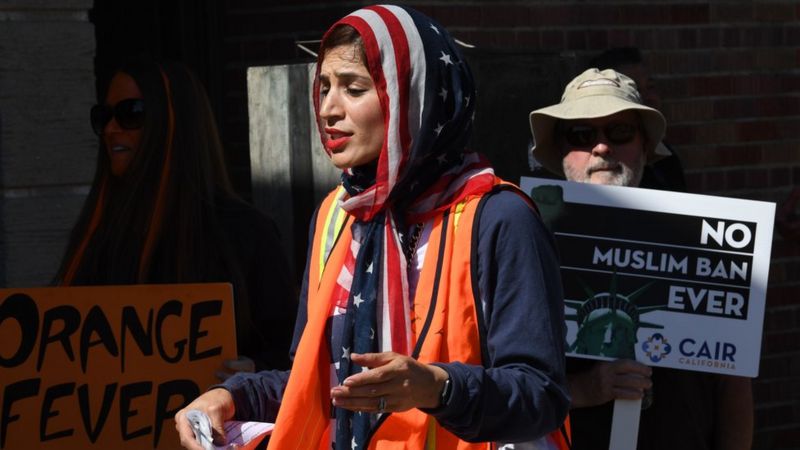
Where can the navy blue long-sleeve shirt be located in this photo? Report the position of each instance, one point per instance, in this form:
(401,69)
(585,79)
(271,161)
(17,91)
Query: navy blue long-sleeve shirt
(520,392)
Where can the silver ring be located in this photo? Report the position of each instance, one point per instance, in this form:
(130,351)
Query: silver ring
(381,405)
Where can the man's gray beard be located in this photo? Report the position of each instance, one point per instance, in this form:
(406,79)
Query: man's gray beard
(629,176)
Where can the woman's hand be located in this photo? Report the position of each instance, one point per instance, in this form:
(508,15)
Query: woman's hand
(231,366)
(218,406)
(401,381)
(621,379)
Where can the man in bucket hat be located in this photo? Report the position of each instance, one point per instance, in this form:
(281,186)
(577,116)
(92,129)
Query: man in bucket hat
(598,102)
(601,133)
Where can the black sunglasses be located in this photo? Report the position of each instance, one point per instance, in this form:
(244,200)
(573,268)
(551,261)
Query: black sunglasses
(129,114)
(586,136)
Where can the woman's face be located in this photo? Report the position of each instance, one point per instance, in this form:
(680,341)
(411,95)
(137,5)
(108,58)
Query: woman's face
(349,109)
(121,144)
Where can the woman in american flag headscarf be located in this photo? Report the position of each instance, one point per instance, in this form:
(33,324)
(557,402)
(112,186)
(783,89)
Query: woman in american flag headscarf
(431,313)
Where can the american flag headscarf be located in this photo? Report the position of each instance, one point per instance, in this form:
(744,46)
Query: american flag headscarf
(427,96)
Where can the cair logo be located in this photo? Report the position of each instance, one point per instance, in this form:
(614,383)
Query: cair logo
(656,347)
(714,354)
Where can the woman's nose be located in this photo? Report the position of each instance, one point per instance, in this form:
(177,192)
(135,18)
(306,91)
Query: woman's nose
(111,127)
(330,109)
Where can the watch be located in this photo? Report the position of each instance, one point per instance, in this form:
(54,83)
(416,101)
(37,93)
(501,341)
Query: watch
(444,397)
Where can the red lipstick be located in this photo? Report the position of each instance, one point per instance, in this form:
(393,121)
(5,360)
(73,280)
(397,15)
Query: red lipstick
(336,139)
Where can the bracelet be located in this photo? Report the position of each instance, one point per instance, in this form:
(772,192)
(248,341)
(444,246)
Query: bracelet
(444,397)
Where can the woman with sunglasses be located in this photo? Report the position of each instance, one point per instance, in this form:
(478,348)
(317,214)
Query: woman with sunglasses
(431,313)
(162,210)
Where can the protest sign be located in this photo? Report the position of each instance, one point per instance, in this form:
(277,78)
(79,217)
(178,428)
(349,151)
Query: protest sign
(669,279)
(107,367)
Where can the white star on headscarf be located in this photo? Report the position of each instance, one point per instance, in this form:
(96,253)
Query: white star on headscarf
(357,300)
(369,269)
(443,94)
(446,59)
(346,353)
(438,128)
(435,29)
(353,443)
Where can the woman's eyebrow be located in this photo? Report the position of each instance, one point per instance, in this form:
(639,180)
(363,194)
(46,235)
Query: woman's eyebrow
(349,75)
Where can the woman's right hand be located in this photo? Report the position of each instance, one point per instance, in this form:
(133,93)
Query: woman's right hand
(218,406)
(605,381)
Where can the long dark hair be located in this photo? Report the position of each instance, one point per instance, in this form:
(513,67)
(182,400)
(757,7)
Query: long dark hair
(157,222)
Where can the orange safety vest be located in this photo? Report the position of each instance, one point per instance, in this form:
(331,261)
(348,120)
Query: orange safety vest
(445,327)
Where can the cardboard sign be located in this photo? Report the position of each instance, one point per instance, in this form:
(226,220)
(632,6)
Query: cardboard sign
(669,279)
(108,367)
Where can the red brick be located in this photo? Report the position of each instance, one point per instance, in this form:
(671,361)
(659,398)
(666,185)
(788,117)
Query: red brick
(710,86)
(792,35)
(773,367)
(774,12)
(733,60)
(745,85)
(692,110)
(731,37)
(757,178)
(714,133)
(674,88)
(529,39)
(783,153)
(769,37)
(644,14)
(666,38)
(644,39)
(576,40)
(505,38)
(780,320)
(780,176)
(781,342)
(736,179)
(687,38)
(597,40)
(782,295)
(552,39)
(715,181)
(461,16)
(757,131)
(694,182)
(689,14)
(708,38)
(739,155)
(771,58)
(505,16)
(618,37)
(731,12)
(551,15)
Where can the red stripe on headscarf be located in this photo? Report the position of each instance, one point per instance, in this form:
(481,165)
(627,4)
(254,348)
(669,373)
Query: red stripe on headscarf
(403,63)
(394,280)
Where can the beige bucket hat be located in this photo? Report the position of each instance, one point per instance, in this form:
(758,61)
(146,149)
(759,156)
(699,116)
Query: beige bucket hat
(593,94)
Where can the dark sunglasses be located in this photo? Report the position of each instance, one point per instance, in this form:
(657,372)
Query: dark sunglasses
(129,114)
(586,136)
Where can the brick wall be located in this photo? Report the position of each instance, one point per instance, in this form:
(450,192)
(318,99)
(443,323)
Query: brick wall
(728,73)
